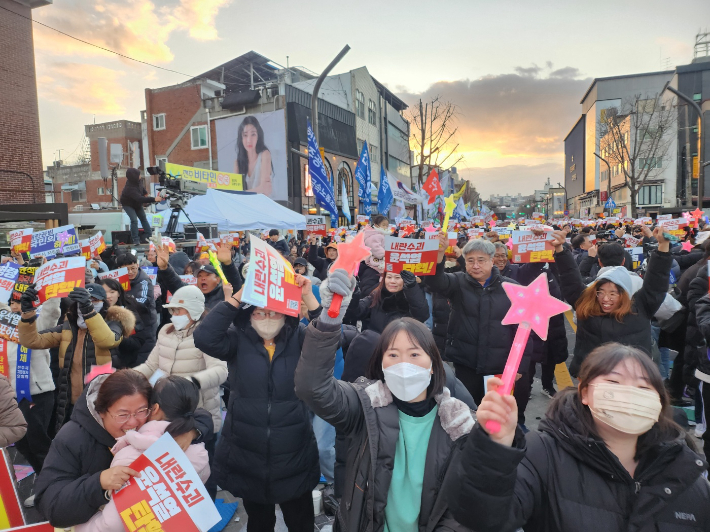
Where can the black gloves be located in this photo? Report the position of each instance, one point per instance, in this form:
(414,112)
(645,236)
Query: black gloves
(28,298)
(409,278)
(82,298)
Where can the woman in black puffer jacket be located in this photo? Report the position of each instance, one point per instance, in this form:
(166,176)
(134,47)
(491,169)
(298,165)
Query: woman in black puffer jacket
(398,296)
(608,457)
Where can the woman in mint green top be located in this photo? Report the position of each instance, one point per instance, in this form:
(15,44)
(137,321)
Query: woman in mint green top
(405,430)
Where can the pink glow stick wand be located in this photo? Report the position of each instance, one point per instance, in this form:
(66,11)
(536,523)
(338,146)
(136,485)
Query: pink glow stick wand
(349,257)
(531,307)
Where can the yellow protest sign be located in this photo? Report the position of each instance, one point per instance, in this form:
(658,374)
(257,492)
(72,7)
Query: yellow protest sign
(212,178)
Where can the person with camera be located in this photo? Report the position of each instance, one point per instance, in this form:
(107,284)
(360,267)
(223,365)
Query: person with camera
(133,197)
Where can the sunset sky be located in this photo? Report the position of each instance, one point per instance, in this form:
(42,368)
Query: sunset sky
(516,69)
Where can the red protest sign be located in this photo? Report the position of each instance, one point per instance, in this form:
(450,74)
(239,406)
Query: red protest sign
(417,256)
(21,240)
(168,495)
(97,244)
(271,281)
(10,510)
(58,277)
(85,248)
(120,275)
(529,247)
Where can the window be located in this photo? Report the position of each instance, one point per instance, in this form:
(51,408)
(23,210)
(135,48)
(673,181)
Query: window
(650,163)
(372,113)
(697,97)
(78,195)
(199,137)
(651,195)
(359,104)
(159,122)
(100,191)
(374,154)
(360,142)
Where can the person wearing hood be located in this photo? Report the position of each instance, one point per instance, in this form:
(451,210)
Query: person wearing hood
(78,478)
(609,310)
(172,410)
(373,267)
(278,242)
(321,265)
(608,456)
(404,428)
(208,280)
(133,197)
(477,342)
(38,408)
(267,453)
(90,331)
(398,295)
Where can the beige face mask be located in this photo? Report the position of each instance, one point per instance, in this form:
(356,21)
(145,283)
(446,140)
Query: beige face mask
(626,408)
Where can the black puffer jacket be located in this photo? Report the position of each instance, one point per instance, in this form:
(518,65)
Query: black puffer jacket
(476,337)
(134,194)
(368,278)
(557,480)
(171,281)
(320,264)
(366,413)
(635,330)
(135,348)
(267,452)
(68,491)
(698,332)
(407,303)
(440,311)
(281,246)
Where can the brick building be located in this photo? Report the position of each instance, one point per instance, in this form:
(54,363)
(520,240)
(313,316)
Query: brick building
(21,153)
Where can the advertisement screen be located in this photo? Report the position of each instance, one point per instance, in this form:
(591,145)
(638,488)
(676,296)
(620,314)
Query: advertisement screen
(255,147)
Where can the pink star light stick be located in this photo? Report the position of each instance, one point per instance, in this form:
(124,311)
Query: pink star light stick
(349,257)
(531,307)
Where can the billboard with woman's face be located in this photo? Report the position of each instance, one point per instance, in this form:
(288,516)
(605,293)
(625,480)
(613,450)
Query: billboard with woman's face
(254,145)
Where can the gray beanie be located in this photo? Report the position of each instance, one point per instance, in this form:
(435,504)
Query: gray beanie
(618,275)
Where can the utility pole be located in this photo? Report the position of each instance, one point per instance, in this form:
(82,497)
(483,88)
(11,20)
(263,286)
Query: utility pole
(608,181)
(701,166)
(316,90)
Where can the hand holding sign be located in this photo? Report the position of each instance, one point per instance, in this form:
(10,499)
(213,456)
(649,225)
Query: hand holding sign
(531,307)
(349,256)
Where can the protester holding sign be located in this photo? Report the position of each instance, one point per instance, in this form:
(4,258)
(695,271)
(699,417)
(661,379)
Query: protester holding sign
(477,343)
(172,411)
(405,429)
(607,457)
(90,331)
(267,453)
(321,265)
(373,267)
(609,310)
(78,478)
(135,347)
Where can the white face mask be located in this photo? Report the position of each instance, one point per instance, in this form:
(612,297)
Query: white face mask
(98,305)
(628,409)
(406,381)
(180,322)
(268,328)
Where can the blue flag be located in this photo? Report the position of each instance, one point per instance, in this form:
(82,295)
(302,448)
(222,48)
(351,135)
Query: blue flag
(22,374)
(346,203)
(384,194)
(363,174)
(322,189)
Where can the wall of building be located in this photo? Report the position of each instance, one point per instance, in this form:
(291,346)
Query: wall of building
(362,81)
(574,160)
(123,132)
(19,117)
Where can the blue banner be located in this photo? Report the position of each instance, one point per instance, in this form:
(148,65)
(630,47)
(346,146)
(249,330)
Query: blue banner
(52,241)
(322,189)
(363,174)
(345,202)
(22,374)
(384,194)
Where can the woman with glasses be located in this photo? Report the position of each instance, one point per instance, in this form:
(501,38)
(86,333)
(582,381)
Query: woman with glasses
(267,454)
(608,310)
(77,478)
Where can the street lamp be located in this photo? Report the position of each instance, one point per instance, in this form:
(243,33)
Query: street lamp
(701,166)
(608,183)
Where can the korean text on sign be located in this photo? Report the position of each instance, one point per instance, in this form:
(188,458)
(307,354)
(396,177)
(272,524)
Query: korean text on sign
(58,277)
(529,247)
(271,283)
(120,275)
(51,241)
(20,240)
(168,496)
(316,225)
(416,255)
(9,272)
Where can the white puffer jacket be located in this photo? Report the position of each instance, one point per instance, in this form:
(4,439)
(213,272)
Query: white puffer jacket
(175,354)
(40,373)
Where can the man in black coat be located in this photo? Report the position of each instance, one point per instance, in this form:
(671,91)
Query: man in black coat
(477,343)
(133,197)
(278,242)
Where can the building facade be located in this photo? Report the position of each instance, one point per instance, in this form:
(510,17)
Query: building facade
(21,172)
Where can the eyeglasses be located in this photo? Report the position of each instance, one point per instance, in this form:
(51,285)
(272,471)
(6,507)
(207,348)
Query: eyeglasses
(609,295)
(478,261)
(123,418)
(497,256)
(263,314)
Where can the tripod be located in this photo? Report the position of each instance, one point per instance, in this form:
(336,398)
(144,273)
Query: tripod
(171,229)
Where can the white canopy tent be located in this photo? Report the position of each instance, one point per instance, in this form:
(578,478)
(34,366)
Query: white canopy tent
(239,212)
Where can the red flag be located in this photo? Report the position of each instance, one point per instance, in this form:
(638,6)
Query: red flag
(432,186)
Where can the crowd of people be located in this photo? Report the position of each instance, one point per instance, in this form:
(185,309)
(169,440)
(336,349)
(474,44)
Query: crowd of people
(387,403)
